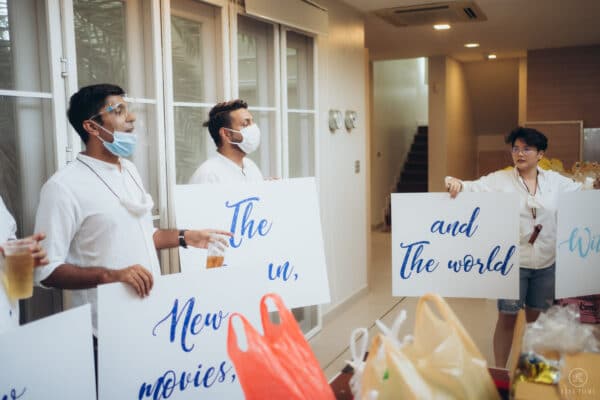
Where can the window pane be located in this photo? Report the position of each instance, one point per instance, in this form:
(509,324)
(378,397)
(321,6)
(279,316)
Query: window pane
(265,156)
(114,45)
(114,40)
(195,35)
(101,42)
(147,151)
(193,143)
(26,156)
(23,46)
(300,76)
(256,62)
(301,145)
(194,52)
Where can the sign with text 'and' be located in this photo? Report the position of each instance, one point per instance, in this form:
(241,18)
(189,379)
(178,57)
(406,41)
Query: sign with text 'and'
(49,359)
(463,247)
(578,244)
(173,343)
(277,234)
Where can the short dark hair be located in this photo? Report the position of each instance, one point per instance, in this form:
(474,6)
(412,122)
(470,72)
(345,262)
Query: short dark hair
(531,136)
(87,102)
(219,117)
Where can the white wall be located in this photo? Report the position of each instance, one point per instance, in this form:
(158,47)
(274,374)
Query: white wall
(342,86)
(399,106)
(494,92)
(452,141)
(461,140)
(437,135)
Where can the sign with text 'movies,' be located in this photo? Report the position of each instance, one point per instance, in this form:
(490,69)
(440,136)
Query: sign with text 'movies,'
(578,244)
(463,247)
(173,343)
(49,359)
(277,234)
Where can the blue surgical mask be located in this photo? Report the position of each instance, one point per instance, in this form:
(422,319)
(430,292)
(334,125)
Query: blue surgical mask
(123,144)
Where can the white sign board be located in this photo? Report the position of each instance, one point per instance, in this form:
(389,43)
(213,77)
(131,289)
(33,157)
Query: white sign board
(463,247)
(277,234)
(49,359)
(578,244)
(173,343)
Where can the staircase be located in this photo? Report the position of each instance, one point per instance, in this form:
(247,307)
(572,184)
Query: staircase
(413,178)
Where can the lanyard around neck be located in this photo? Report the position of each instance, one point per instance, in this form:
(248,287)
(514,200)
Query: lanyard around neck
(105,183)
(533,210)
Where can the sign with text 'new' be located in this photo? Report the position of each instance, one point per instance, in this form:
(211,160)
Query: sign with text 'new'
(49,359)
(578,244)
(277,234)
(173,343)
(463,247)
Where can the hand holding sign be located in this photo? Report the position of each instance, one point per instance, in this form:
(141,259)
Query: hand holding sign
(265,219)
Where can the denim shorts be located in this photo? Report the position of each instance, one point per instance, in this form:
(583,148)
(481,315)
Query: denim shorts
(536,291)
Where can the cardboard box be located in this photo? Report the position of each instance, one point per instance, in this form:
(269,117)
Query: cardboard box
(579,376)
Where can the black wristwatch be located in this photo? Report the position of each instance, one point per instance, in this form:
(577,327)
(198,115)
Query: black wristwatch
(182,242)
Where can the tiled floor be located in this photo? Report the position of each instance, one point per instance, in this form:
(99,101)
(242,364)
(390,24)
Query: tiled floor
(331,345)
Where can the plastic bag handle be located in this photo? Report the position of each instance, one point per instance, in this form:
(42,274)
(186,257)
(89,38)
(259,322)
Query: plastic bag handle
(362,341)
(252,336)
(450,317)
(285,315)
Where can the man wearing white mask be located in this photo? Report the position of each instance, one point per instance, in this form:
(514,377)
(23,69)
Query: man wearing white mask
(96,212)
(236,135)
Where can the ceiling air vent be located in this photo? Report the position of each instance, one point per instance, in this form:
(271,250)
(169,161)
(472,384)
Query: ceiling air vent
(433,13)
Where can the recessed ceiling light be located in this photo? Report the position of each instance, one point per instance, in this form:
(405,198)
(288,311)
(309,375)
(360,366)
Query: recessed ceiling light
(441,27)
(472,45)
(491,56)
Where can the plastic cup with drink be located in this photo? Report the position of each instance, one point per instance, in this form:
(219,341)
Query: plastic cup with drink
(18,268)
(216,251)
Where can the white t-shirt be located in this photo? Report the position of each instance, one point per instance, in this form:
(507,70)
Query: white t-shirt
(9,310)
(550,185)
(220,169)
(87,225)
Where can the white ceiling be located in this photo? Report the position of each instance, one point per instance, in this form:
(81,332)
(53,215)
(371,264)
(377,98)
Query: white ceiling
(512,28)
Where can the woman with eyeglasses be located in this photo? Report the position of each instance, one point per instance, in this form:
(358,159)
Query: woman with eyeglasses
(538,191)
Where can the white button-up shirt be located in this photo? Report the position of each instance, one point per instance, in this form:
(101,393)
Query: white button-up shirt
(542,252)
(9,309)
(88,226)
(220,169)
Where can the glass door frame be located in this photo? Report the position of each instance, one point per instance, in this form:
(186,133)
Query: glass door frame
(170,104)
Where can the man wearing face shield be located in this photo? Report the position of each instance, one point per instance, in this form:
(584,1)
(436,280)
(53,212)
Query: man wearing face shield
(236,135)
(95,211)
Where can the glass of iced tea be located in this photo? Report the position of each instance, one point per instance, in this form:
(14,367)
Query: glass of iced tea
(216,251)
(18,268)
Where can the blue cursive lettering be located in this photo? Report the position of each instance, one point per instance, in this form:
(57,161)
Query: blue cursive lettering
(416,263)
(455,228)
(247,227)
(468,262)
(14,395)
(193,323)
(582,242)
(284,271)
(166,384)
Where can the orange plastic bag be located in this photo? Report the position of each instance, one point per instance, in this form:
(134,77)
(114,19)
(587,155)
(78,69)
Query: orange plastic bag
(280,364)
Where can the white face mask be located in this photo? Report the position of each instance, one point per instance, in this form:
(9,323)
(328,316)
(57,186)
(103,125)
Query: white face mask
(250,138)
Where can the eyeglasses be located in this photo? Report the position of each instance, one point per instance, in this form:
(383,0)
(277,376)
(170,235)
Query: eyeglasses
(117,109)
(524,150)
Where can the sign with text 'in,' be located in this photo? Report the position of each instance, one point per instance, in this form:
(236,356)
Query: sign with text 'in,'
(578,244)
(463,247)
(173,343)
(49,359)
(277,234)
